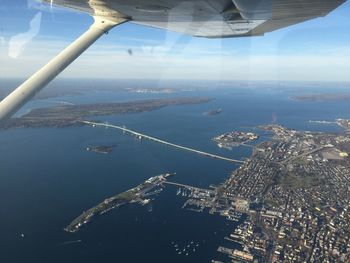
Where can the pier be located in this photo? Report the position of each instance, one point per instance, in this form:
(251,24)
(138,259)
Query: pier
(144,136)
(184,185)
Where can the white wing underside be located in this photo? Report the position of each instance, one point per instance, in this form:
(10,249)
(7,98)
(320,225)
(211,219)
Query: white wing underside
(209,18)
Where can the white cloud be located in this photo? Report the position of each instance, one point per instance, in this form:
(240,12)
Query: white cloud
(18,42)
(185,61)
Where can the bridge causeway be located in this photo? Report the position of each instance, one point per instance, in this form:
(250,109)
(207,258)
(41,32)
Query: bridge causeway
(141,135)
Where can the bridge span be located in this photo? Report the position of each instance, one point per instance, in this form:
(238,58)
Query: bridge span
(141,135)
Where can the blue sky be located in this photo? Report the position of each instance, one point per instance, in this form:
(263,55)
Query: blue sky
(31,33)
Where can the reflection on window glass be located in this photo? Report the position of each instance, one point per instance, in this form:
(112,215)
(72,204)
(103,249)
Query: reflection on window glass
(174,131)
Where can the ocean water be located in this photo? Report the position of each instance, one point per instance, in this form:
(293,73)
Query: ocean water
(47,178)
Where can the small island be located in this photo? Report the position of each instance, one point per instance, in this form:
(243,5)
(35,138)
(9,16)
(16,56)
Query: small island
(232,139)
(213,112)
(138,194)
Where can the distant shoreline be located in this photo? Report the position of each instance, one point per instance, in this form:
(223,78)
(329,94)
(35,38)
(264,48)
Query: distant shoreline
(72,115)
(322,97)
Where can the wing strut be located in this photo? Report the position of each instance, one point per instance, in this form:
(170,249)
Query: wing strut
(27,90)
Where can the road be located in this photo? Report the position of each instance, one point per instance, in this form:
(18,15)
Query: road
(303,154)
(144,136)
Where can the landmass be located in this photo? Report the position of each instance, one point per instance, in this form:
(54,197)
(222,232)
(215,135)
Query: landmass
(322,122)
(323,97)
(213,112)
(232,139)
(138,194)
(293,194)
(152,90)
(344,123)
(50,92)
(73,115)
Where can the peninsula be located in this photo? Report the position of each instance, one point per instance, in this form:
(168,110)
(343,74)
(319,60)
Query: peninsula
(232,139)
(138,194)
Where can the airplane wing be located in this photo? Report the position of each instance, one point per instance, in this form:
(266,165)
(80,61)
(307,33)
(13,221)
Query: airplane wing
(209,18)
(203,18)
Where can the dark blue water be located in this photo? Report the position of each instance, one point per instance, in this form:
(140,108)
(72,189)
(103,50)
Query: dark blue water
(47,178)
